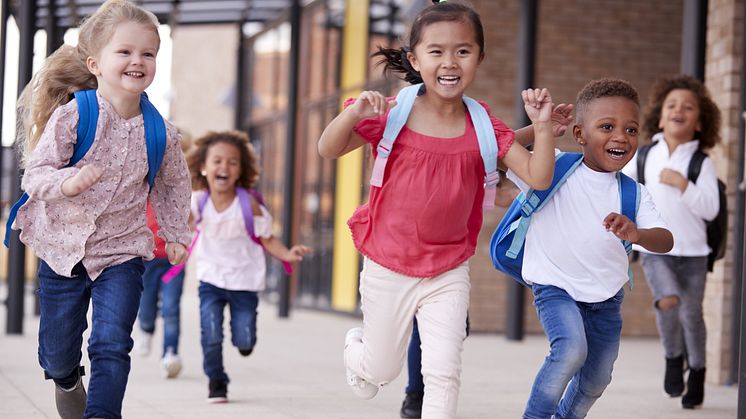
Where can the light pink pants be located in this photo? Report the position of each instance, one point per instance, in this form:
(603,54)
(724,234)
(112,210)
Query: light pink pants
(390,301)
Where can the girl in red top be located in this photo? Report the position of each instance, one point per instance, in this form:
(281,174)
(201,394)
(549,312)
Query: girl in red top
(419,228)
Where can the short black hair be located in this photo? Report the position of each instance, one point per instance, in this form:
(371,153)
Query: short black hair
(600,88)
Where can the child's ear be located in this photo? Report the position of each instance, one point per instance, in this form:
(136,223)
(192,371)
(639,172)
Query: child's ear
(413,60)
(92,65)
(577,134)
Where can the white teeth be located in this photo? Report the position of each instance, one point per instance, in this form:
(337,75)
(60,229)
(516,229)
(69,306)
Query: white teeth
(134,74)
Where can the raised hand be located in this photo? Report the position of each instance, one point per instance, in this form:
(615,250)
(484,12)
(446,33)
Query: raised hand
(622,227)
(538,105)
(561,118)
(371,103)
(177,253)
(82,181)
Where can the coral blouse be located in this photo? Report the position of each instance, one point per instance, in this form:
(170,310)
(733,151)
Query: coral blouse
(425,218)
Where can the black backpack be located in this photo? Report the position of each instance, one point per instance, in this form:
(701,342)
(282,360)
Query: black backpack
(717,228)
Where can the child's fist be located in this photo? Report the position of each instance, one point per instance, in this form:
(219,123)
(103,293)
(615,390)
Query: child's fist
(177,253)
(371,103)
(296,253)
(538,104)
(82,181)
(622,227)
(673,178)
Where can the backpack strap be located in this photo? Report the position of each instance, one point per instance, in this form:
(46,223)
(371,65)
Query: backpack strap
(395,121)
(487,148)
(533,200)
(155,137)
(85,134)
(629,196)
(642,155)
(695,165)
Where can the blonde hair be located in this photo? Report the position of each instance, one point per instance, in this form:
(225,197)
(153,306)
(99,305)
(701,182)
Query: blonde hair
(65,71)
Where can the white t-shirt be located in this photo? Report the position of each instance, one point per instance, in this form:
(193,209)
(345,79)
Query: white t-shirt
(567,245)
(226,256)
(684,212)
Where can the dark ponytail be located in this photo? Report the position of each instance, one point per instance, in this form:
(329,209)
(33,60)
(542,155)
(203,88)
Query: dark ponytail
(396,61)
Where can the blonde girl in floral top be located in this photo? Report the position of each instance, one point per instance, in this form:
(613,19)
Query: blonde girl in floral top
(87,222)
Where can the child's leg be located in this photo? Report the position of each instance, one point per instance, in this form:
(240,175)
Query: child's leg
(603,329)
(170,310)
(212,301)
(115,295)
(660,273)
(242,305)
(149,300)
(692,272)
(441,319)
(64,304)
(563,324)
(389,301)
(415,382)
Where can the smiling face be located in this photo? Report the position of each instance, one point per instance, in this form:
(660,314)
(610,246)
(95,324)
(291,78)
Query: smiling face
(447,57)
(222,167)
(680,115)
(608,133)
(125,66)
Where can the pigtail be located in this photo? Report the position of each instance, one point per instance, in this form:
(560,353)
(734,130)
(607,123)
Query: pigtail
(396,61)
(63,73)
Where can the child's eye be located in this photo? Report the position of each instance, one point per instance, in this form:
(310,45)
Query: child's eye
(606,127)
(463,52)
(434,51)
(632,131)
(149,54)
(123,51)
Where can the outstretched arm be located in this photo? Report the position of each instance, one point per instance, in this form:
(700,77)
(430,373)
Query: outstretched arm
(277,249)
(537,168)
(656,239)
(338,137)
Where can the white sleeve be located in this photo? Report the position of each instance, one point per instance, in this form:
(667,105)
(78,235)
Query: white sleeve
(631,168)
(647,215)
(703,198)
(263,224)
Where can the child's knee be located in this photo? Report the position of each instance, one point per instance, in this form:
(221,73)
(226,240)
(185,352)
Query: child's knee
(570,352)
(383,373)
(667,303)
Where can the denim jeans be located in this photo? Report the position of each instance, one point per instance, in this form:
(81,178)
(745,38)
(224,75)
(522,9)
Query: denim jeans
(64,304)
(682,328)
(584,343)
(242,306)
(170,296)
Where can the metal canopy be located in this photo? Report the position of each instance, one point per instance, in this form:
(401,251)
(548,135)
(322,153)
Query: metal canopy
(68,13)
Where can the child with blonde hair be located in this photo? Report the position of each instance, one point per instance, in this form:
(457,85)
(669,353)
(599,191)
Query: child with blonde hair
(86,221)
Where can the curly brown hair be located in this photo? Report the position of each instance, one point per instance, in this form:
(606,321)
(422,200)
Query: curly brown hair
(709,114)
(197,157)
(606,87)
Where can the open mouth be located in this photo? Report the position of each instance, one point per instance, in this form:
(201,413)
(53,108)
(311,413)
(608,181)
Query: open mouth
(616,153)
(136,74)
(448,80)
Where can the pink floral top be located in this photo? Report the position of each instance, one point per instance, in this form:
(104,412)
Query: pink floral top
(105,225)
(426,217)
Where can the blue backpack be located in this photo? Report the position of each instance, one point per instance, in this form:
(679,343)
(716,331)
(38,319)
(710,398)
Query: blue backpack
(509,239)
(155,141)
(397,118)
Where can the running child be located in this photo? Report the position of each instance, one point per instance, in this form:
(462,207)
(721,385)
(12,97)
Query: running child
(578,264)
(420,227)
(234,228)
(86,222)
(682,120)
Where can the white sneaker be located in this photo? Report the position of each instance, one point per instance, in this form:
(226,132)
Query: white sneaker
(143,343)
(359,386)
(170,364)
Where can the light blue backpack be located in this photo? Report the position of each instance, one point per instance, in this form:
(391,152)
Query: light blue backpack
(155,141)
(397,118)
(509,239)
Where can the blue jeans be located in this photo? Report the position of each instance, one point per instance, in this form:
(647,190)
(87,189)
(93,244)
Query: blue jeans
(242,306)
(64,304)
(584,343)
(170,296)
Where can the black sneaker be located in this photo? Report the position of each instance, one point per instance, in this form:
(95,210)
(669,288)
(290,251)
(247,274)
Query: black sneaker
(411,408)
(695,389)
(218,392)
(673,381)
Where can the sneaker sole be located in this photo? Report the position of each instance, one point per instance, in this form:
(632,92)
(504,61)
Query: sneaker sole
(217,400)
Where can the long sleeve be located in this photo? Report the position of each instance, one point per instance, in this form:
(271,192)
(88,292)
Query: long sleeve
(702,197)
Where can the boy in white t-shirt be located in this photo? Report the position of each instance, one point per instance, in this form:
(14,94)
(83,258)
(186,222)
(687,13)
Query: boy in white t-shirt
(575,261)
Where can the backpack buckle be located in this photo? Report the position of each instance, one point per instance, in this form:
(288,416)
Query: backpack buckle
(384,148)
(491,179)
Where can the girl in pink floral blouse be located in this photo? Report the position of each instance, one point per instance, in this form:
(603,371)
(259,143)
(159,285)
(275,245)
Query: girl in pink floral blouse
(87,222)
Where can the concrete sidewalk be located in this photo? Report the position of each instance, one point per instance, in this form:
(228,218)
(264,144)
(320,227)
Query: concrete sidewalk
(296,372)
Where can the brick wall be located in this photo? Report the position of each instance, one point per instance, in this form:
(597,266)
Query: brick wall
(724,37)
